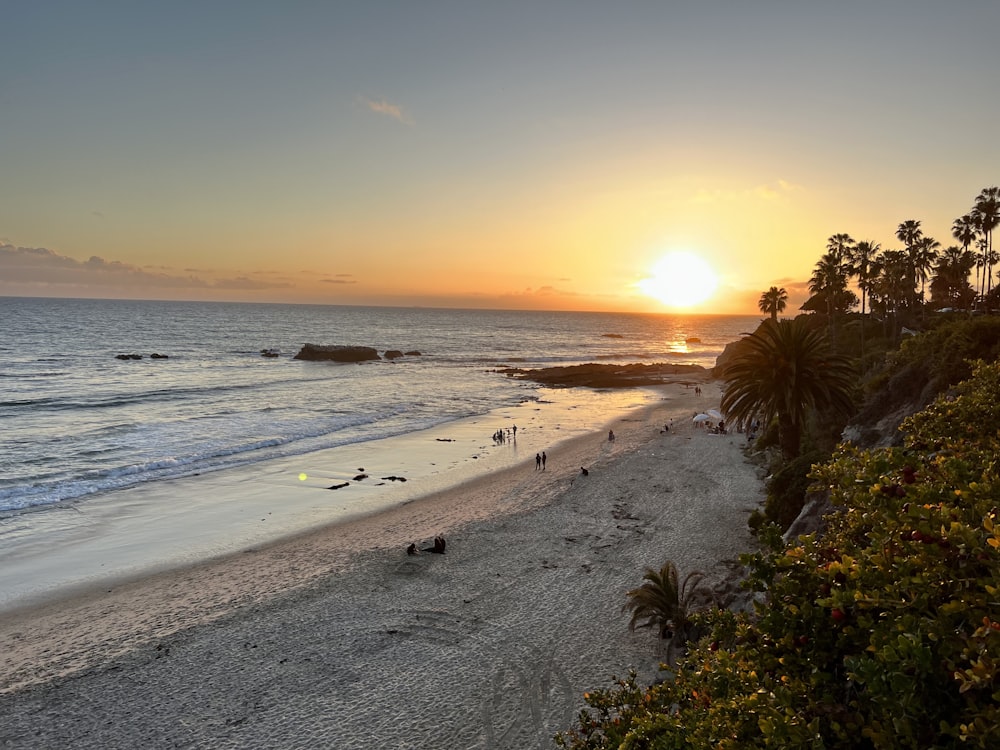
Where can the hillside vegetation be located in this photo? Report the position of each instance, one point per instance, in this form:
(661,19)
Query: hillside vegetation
(881,632)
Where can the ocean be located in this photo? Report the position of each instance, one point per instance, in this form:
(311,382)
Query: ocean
(78,421)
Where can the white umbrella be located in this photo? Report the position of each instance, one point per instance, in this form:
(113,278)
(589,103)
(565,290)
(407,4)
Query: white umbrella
(701,418)
(715,414)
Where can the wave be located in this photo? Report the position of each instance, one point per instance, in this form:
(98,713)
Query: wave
(54,488)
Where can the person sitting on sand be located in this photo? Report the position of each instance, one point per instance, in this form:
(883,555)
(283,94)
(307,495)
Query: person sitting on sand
(439,545)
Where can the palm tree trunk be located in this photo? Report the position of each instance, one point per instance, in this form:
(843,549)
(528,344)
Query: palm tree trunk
(789,436)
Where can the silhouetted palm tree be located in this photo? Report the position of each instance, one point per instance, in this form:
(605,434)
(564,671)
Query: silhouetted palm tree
(950,286)
(910,233)
(892,285)
(923,258)
(840,245)
(986,214)
(773,301)
(829,281)
(964,230)
(783,371)
(861,264)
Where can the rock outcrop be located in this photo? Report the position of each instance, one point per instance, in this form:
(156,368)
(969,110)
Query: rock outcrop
(321,353)
(611,376)
(393,354)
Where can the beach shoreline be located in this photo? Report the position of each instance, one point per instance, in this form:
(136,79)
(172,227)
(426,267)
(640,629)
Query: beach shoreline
(523,545)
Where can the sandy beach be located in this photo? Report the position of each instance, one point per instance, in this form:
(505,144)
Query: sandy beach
(338,638)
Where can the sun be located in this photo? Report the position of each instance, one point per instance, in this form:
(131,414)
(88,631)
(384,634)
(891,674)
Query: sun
(680,279)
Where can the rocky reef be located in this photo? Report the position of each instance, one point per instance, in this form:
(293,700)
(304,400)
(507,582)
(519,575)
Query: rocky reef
(611,376)
(332,353)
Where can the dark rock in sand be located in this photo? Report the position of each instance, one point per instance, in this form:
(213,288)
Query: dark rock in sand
(321,353)
(270,353)
(128,356)
(339,486)
(394,479)
(359,477)
(393,354)
(154,355)
(413,353)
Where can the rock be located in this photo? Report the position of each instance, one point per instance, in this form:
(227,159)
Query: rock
(394,479)
(412,353)
(319,353)
(812,517)
(154,355)
(611,376)
(393,354)
(270,352)
(339,486)
(128,356)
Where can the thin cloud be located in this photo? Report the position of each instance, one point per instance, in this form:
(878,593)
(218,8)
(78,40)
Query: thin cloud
(31,269)
(765,191)
(382,107)
(338,280)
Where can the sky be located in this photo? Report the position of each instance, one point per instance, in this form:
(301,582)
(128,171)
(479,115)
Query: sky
(514,155)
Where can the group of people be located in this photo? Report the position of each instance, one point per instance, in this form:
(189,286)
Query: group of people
(540,459)
(504,434)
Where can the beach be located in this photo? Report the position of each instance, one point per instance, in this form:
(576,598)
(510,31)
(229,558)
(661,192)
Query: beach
(338,638)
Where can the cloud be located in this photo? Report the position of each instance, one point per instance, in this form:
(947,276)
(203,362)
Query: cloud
(338,279)
(771,192)
(765,191)
(26,270)
(388,109)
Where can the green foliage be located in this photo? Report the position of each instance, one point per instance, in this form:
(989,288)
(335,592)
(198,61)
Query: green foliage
(786,489)
(784,371)
(663,601)
(884,633)
(928,364)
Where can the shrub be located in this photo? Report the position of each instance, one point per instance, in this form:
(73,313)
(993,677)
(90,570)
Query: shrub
(786,489)
(882,634)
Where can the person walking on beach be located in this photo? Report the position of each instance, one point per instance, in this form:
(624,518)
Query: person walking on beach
(611,436)
(538,461)
(544,457)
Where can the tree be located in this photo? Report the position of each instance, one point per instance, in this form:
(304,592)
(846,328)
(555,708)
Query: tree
(840,246)
(773,301)
(663,601)
(923,258)
(986,215)
(829,285)
(910,234)
(861,264)
(964,230)
(950,286)
(785,370)
(892,284)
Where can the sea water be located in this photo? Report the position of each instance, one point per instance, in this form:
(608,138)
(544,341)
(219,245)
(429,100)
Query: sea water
(77,421)
(114,468)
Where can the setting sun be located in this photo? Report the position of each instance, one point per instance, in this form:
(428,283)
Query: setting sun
(680,280)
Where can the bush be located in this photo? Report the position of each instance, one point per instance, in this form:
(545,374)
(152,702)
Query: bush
(786,489)
(882,634)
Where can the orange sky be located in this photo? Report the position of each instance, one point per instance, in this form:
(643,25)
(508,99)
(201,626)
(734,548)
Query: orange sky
(543,157)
